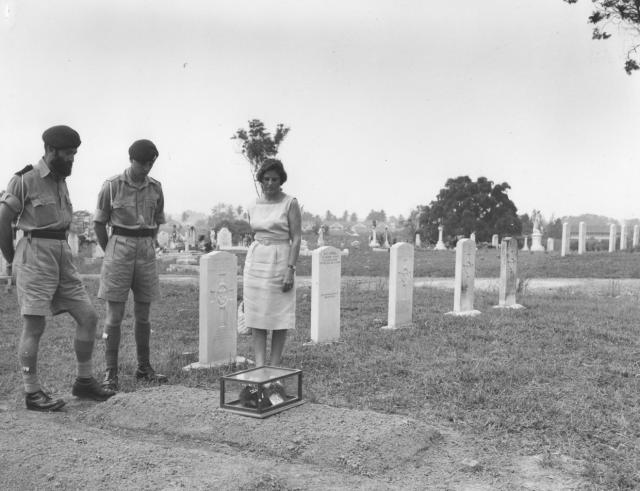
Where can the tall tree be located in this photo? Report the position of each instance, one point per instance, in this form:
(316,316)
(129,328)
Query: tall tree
(625,15)
(257,144)
(464,206)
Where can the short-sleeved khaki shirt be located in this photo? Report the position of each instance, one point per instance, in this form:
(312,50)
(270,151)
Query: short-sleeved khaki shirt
(126,204)
(40,198)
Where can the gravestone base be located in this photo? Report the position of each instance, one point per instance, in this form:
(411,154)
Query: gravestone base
(464,313)
(515,306)
(440,246)
(203,366)
(536,242)
(380,249)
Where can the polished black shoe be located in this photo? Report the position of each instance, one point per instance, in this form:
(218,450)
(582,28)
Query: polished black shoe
(110,381)
(41,401)
(146,372)
(90,388)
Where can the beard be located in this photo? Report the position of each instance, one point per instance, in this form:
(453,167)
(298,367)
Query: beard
(61,167)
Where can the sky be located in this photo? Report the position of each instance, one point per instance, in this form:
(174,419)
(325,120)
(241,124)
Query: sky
(386,100)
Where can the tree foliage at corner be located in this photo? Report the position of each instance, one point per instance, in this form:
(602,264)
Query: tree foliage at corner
(257,144)
(464,206)
(625,14)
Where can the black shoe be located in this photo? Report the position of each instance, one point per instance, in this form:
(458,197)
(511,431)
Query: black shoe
(41,401)
(145,372)
(89,388)
(110,381)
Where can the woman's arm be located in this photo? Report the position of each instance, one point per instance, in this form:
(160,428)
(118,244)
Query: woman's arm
(295,234)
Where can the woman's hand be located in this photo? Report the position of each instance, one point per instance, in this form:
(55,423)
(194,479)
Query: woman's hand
(287,283)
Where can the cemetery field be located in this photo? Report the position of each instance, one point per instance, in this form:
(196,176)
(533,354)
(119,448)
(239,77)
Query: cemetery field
(560,379)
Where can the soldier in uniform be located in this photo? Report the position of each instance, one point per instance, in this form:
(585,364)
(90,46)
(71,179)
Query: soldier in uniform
(37,200)
(133,204)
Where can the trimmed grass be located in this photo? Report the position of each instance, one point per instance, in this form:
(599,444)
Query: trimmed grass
(561,377)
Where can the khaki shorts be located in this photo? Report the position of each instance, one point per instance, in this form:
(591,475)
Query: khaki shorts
(129,264)
(47,281)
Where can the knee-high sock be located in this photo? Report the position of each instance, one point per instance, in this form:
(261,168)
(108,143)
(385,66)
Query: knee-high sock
(84,349)
(142,333)
(112,345)
(28,353)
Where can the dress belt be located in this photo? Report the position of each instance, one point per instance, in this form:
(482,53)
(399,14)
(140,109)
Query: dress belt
(139,232)
(273,241)
(60,234)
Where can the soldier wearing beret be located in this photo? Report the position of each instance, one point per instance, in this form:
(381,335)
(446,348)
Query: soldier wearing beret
(133,204)
(37,200)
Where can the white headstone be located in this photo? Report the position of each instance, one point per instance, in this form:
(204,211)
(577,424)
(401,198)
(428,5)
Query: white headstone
(218,309)
(636,236)
(321,237)
(74,243)
(495,241)
(440,244)
(163,239)
(325,294)
(551,244)
(566,238)
(623,237)
(582,238)
(418,241)
(612,238)
(525,247)
(386,244)
(508,274)
(473,236)
(400,286)
(224,239)
(373,242)
(465,277)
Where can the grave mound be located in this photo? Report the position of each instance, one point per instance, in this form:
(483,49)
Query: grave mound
(362,442)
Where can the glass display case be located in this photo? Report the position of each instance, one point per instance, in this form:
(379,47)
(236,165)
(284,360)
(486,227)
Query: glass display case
(261,392)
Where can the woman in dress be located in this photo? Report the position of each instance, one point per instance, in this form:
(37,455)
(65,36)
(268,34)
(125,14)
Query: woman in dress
(269,271)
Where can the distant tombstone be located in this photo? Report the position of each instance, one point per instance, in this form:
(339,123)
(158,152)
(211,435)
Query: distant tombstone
(495,241)
(321,237)
(551,244)
(636,236)
(224,239)
(163,239)
(566,237)
(464,279)
(472,236)
(74,243)
(508,274)
(400,286)
(386,244)
(623,237)
(582,238)
(218,310)
(325,294)
(525,247)
(373,242)
(304,247)
(418,241)
(440,244)
(3,266)
(612,238)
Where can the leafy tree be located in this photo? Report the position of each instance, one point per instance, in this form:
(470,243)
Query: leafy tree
(625,14)
(354,217)
(345,216)
(378,216)
(464,206)
(258,144)
(329,217)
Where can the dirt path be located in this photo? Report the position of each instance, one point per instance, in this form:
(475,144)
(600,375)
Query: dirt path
(174,437)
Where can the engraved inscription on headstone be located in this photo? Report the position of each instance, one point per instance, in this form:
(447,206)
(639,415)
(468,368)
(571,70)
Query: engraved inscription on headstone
(508,274)
(400,286)
(463,294)
(325,294)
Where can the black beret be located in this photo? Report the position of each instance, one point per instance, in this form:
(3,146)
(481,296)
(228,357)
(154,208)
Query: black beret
(61,137)
(143,151)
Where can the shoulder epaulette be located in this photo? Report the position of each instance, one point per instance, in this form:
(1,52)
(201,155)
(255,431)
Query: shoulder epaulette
(153,181)
(25,170)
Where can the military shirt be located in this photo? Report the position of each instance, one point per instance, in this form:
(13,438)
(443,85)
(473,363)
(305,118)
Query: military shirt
(127,204)
(40,198)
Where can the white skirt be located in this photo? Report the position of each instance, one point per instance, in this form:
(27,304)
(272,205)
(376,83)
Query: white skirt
(266,306)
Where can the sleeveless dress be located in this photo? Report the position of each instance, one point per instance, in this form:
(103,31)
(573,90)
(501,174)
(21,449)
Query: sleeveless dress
(266,306)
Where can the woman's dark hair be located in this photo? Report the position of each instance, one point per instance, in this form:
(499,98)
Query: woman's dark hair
(272,164)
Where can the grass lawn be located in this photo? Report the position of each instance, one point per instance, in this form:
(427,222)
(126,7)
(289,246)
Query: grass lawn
(559,378)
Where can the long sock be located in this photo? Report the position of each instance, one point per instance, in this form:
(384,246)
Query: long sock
(111,338)
(142,333)
(28,354)
(84,349)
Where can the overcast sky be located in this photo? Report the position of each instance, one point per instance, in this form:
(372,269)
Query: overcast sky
(385,99)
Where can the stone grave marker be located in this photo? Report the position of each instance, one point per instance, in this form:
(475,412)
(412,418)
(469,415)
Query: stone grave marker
(495,241)
(400,286)
(224,239)
(612,238)
(464,279)
(525,247)
(326,265)
(163,239)
(440,244)
(551,244)
(623,237)
(508,274)
(636,236)
(418,241)
(218,310)
(566,238)
(582,238)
